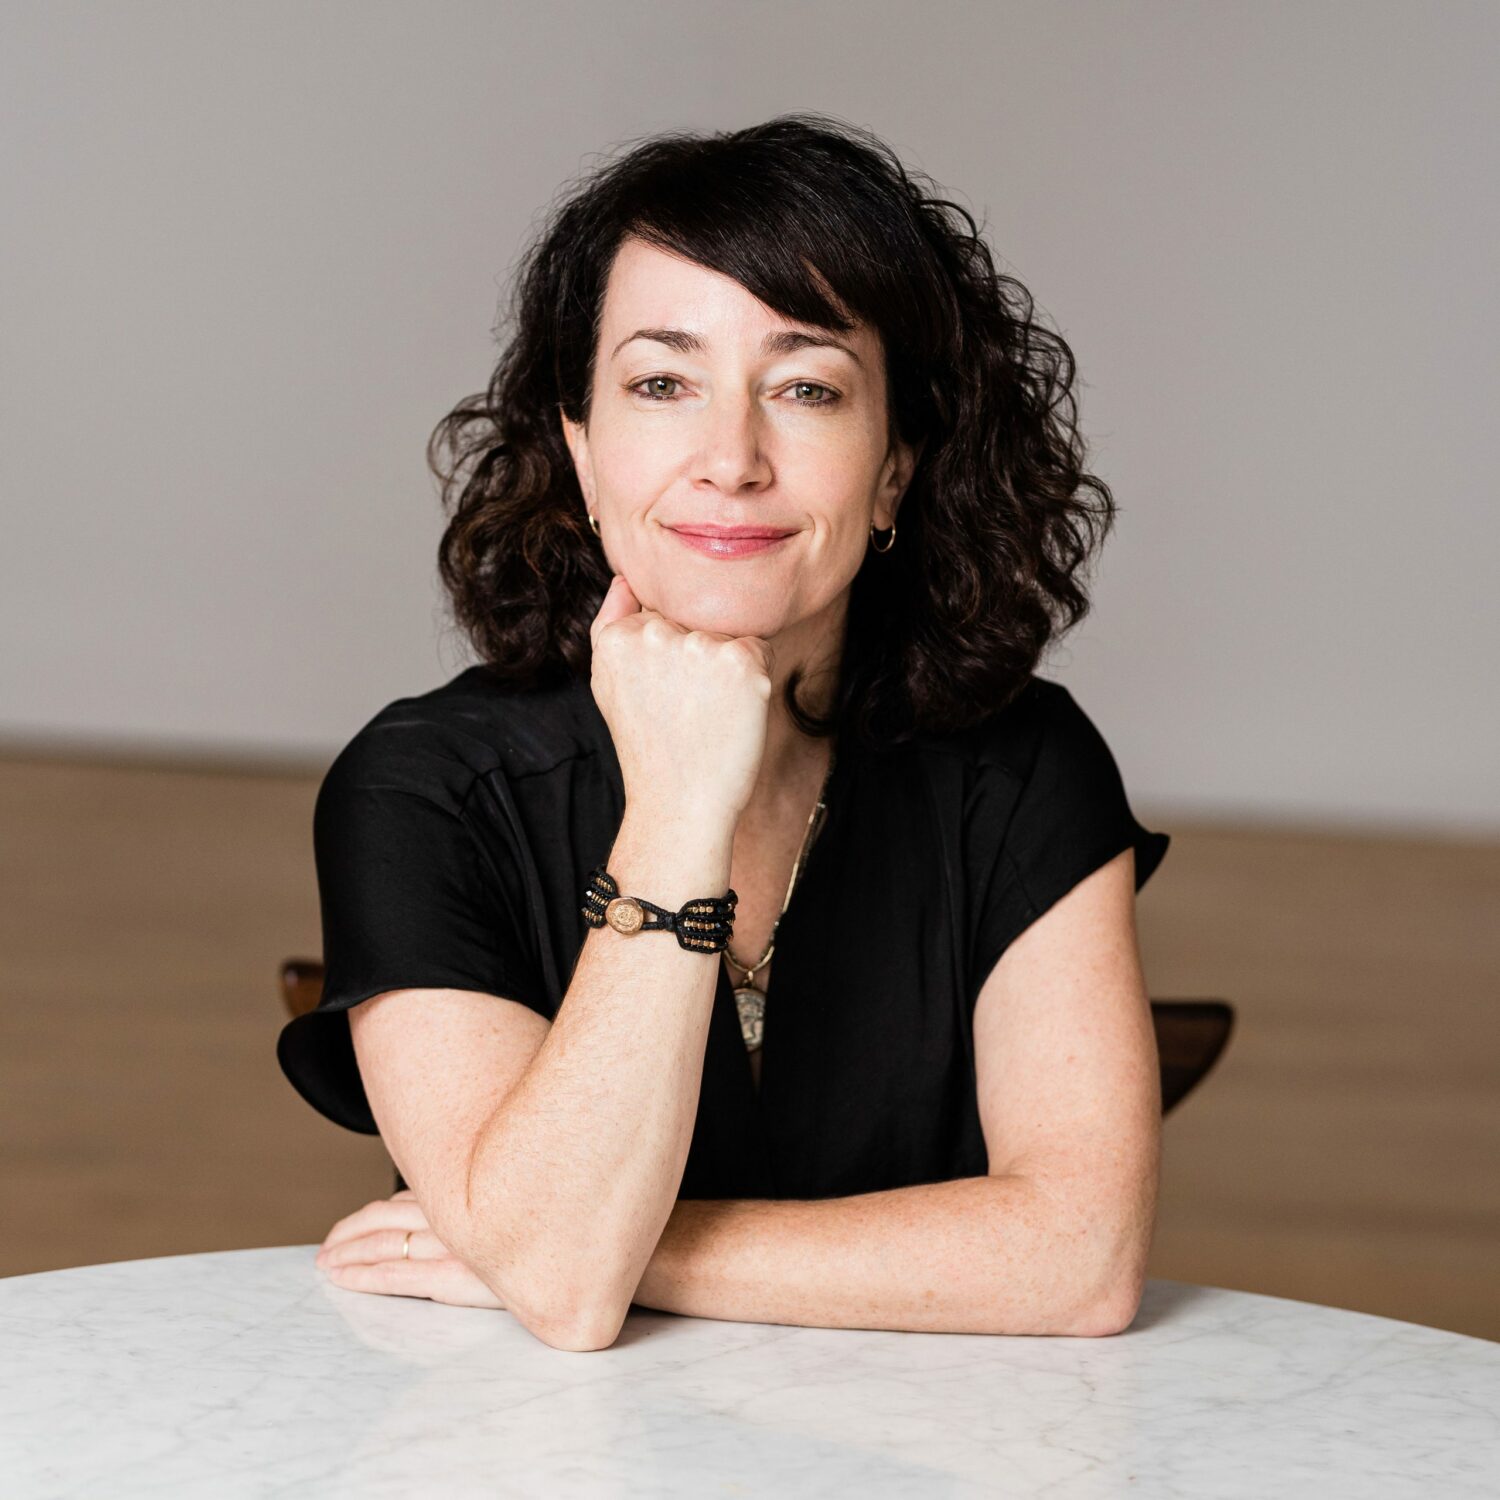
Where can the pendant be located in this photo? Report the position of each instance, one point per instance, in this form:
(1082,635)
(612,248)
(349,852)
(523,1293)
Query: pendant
(751,1004)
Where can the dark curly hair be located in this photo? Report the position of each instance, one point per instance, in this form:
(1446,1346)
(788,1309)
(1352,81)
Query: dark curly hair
(999,520)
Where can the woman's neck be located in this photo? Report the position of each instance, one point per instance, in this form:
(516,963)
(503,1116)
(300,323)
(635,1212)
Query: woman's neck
(791,771)
(792,759)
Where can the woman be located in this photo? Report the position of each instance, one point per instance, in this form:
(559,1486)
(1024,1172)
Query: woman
(760,530)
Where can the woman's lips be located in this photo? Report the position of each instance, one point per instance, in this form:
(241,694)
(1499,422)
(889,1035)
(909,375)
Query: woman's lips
(730,542)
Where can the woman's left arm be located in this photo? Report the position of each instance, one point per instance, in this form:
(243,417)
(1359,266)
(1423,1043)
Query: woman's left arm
(1054,1240)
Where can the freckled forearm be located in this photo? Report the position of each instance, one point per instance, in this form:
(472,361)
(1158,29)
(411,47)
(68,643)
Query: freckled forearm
(972,1255)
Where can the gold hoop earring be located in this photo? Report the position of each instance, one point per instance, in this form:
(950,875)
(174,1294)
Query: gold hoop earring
(594,522)
(891,543)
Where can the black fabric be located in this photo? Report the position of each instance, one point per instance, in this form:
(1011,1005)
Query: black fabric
(455,832)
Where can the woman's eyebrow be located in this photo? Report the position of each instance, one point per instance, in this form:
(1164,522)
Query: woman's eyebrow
(778,341)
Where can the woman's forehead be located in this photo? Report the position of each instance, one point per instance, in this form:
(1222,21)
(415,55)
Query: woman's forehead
(665,298)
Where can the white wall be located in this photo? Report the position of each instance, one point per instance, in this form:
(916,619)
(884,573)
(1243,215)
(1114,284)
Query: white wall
(254,252)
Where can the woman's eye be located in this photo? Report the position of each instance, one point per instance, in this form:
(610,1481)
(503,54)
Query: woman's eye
(829,394)
(654,380)
(649,390)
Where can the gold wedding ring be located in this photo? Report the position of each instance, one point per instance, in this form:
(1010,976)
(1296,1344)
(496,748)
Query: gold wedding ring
(406,1245)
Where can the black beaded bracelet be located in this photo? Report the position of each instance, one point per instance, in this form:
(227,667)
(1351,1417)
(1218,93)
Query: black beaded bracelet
(704,924)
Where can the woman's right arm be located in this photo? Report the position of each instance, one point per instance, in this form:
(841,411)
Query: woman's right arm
(548,1157)
(557,1192)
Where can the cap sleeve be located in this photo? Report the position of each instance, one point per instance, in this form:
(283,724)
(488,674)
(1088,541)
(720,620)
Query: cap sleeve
(1070,817)
(410,899)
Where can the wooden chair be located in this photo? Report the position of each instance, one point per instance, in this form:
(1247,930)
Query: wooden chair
(1190,1034)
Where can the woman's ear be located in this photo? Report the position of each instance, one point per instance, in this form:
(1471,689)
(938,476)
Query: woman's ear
(900,467)
(576,436)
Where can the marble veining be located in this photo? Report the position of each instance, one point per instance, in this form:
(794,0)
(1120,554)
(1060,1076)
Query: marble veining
(246,1373)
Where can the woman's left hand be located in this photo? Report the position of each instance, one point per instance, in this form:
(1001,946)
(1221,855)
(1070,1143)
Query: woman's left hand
(362,1253)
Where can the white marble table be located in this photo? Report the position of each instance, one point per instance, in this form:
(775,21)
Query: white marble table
(247,1373)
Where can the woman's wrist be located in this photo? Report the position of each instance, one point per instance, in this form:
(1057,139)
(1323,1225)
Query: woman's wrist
(669,858)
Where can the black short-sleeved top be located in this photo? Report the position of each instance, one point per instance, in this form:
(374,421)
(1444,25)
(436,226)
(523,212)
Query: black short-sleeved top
(455,832)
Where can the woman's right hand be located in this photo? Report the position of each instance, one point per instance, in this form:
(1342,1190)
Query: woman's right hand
(687,709)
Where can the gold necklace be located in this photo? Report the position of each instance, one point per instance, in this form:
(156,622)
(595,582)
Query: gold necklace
(749,1000)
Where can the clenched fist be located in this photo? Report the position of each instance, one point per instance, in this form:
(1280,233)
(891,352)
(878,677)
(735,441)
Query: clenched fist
(687,709)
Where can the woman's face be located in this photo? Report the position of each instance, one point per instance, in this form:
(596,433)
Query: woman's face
(710,411)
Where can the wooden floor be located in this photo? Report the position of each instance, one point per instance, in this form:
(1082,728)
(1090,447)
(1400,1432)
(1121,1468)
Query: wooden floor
(1346,1150)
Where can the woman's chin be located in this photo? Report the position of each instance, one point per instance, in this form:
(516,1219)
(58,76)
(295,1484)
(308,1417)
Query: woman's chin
(723,611)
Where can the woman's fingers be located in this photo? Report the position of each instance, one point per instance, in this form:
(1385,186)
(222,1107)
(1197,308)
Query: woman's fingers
(364,1253)
(446,1280)
(402,1213)
(619,600)
(382,1244)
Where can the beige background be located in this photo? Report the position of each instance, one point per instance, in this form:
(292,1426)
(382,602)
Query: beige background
(254,252)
